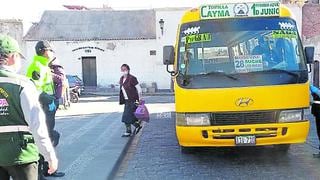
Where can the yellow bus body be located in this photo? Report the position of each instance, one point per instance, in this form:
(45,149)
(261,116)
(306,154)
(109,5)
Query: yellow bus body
(223,100)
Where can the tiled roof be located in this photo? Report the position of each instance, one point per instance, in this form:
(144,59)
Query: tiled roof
(94,25)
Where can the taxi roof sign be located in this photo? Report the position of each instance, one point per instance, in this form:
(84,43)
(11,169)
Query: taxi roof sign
(236,10)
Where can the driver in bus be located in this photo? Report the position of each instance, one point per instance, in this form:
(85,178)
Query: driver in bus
(270,56)
(286,54)
(262,48)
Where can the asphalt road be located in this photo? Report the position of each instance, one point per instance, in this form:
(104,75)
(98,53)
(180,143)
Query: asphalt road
(90,139)
(91,132)
(155,154)
(91,143)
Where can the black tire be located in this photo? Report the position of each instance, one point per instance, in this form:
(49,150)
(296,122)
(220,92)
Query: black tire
(187,150)
(66,105)
(74,98)
(284,148)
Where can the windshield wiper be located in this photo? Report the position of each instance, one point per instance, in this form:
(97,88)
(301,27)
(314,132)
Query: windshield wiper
(222,73)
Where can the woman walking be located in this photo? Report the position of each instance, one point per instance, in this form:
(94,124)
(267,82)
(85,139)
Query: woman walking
(130,94)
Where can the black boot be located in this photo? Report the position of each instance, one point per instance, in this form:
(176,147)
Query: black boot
(128,131)
(55,174)
(317,155)
(137,126)
(41,177)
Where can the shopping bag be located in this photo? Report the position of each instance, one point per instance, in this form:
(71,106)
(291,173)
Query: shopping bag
(142,112)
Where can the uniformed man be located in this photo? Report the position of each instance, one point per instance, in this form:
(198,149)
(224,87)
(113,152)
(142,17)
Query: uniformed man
(40,73)
(23,128)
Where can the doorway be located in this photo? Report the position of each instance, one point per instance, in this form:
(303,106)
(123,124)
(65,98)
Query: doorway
(89,71)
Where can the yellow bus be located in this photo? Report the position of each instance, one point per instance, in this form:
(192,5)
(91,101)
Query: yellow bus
(240,76)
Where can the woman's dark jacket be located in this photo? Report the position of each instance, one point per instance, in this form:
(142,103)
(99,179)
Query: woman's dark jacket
(130,87)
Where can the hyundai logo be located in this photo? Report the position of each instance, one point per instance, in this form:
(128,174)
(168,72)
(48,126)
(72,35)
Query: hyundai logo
(244,102)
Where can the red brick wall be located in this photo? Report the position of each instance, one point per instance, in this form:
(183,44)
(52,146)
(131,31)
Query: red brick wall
(310,20)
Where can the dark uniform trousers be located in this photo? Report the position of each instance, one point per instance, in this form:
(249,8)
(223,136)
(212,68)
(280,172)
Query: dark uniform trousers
(315,110)
(50,121)
(20,172)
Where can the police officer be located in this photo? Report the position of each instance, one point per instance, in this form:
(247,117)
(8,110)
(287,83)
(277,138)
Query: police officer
(40,73)
(315,110)
(22,121)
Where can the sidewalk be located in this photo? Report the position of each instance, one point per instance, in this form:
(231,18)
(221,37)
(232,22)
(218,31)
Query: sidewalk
(91,146)
(116,93)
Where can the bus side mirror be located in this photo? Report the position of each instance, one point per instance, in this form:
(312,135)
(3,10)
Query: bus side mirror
(168,55)
(168,58)
(309,52)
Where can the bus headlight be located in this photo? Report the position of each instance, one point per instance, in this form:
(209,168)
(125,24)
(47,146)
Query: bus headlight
(291,116)
(196,119)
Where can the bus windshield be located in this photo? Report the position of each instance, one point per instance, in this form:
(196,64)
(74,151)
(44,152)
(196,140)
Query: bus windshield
(241,47)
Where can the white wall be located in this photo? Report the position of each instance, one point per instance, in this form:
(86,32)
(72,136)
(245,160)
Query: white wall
(171,19)
(314,41)
(297,14)
(136,53)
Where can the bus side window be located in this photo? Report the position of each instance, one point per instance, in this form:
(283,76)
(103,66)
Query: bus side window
(235,50)
(243,48)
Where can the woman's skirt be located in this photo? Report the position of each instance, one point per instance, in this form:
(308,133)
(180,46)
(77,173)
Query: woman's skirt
(128,116)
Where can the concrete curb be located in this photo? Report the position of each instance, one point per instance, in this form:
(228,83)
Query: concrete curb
(117,165)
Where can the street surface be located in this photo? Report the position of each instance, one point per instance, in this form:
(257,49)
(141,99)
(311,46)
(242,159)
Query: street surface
(156,155)
(91,143)
(91,140)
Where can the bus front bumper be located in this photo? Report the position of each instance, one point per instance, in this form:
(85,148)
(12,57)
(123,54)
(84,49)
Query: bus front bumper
(265,134)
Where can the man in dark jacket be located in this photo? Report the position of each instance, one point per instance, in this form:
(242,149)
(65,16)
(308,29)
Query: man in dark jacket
(315,110)
(58,76)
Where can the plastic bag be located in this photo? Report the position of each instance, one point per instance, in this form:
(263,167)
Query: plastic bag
(142,112)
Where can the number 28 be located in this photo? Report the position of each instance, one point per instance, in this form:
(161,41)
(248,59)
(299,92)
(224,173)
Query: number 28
(239,64)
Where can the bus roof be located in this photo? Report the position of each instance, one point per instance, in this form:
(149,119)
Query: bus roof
(236,10)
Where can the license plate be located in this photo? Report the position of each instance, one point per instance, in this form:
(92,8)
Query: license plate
(245,140)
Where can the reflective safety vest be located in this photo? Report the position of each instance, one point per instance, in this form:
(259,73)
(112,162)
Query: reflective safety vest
(16,142)
(39,67)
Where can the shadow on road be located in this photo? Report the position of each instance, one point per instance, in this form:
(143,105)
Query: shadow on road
(159,151)
(226,152)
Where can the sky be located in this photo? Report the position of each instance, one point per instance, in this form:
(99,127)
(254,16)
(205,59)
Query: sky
(31,10)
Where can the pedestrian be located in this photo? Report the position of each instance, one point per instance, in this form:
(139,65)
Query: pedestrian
(23,128)
(59,77)
(315,110)
(130,94)
(40,73)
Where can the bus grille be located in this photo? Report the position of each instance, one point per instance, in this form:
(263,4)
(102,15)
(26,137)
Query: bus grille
(243,118)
